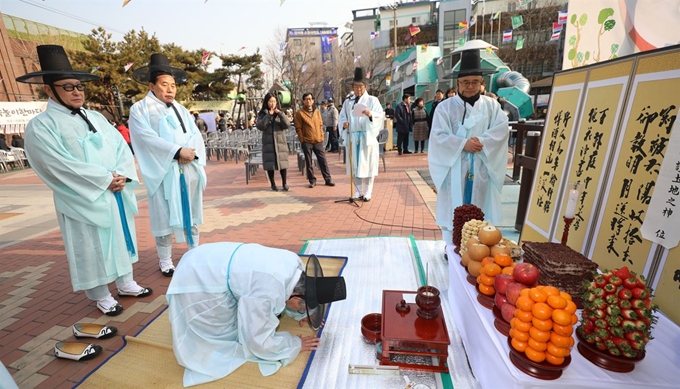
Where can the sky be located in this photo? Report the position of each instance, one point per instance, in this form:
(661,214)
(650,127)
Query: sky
(220,26)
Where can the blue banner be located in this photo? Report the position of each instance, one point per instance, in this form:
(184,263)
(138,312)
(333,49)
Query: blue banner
(327,61)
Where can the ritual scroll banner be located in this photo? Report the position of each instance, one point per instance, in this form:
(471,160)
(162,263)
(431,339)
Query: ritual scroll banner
(605,94)
(20,112)
(645,131)
(550,165)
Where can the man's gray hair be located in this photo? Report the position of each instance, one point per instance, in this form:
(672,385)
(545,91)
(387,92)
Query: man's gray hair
(300,287)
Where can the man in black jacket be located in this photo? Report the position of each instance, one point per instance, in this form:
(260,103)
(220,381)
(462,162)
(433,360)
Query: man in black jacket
(404,122)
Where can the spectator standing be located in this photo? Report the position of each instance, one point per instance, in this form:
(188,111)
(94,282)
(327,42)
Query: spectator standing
(200,123)
(330,121)
(421,130)
(309,128)
(125,132)
(404,121)
(221,123)
(17,141)
(273,123)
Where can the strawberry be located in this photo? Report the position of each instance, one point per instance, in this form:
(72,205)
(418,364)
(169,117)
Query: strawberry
(589,297)
(601,323)
(618,341)
(637,303)
(588,328)
(612,299)
(609,343)
(625,294)
(640,293)
(598,292)
(634,336)
(615,351)
(617,331)
(628,325)
(624,304)
(630,283)
(607,275)
(640,325)
(599,282)
(600,346)
(648,303)
(629,314)
(623,273)
(614,321)
(602,334)
(599,303)
(613,310)
(610,289)
(641,283)
(629,353)
(637,345)
(615,281)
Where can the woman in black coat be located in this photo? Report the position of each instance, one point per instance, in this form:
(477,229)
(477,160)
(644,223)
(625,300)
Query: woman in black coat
(273,123)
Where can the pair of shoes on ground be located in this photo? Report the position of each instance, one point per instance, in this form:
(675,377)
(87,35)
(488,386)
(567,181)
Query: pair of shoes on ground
(78,351)
(328,183)
(167,270)
(117,309)
(276,188)
(361,197)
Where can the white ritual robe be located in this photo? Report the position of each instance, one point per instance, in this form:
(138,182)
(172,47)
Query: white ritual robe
(224,299)
(449,163)
(77,165)
(156,135)
(365,149)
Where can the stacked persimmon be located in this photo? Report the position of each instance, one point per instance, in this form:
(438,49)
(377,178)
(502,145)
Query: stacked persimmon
(500,263)
(543,324)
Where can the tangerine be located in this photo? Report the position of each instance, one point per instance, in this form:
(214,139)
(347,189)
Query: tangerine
(502,259)
(521,336)
(571,342)
(542,311)
(557,351)
(533,355)
(486,261)
(507,270)
(559,340)
(571,307)
(485,278)
(556,302)
(536,345)
(563,330)
(524,292)
(551,291)
(565,296)
(512,322)
(522,326)
(543,325)
(492,269)
(517,345)
(553,360)
(539,336)
(487,289)
(561,317)
(524,303)
(574,319)
(525,316)
(538,295)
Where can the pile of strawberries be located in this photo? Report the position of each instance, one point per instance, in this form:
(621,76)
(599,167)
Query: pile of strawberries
(618,313)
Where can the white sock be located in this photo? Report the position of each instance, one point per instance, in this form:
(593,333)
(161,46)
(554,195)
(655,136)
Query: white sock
(130,286)
(108,302)
(166,264)
(369,187)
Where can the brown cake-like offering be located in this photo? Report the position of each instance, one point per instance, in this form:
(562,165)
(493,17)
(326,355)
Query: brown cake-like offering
(462,215)
(560,266)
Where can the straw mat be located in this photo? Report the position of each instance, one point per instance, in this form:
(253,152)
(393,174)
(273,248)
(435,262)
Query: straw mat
(147,360)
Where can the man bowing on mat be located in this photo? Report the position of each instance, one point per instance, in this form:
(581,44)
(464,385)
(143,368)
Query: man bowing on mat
(171,155)
(225,300)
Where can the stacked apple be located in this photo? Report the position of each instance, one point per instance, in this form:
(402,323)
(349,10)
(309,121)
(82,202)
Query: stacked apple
(509,287)
(618,313)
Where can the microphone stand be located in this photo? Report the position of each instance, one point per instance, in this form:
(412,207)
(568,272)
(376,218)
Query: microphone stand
(348,150)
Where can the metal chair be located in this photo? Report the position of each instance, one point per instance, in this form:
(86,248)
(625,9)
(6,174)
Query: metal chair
(4,161)
(382,140)
(20,157)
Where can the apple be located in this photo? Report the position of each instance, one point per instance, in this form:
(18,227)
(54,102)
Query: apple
(501,283)
(499,299)
(508,312)
(525,273)
(513,290)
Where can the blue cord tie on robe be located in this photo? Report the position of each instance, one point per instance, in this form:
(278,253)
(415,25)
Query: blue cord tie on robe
(469,180)
(229,269)
(123,219)
(186,208)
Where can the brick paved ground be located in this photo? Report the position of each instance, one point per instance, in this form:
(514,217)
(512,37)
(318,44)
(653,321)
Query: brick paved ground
(38,306)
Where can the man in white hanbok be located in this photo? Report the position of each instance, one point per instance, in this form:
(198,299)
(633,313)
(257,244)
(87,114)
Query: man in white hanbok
(225,300)
(468,146)
(359,131)
(89,167)
(171,155)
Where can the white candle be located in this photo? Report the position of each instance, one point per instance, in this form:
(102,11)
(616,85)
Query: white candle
(571,204)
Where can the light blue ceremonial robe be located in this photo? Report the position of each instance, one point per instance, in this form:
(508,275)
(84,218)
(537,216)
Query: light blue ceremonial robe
(449,163)
(364,132)
(77,165)
(156,135)
(224,299)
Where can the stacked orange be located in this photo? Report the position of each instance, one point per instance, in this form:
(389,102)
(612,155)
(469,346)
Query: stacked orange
(543,324)
(491,267)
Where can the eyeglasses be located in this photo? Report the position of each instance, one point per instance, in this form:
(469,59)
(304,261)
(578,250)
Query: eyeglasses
(470,83)
(309,98)
(71,87)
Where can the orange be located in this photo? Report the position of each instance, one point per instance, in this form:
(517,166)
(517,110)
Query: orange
(536,345)
(479,279)
(521,336)
(519,346)
(559,340)
(492,269)
(571,342)
(536,356)
(486,261)
(565,296)
(537,295)
(541,311)
(543,325)
(502,259)
(522,326)
(524,303)
(574,319)
(553,360)
(561,317)
(487,290)
(563,330)
(556,302)
(551,291)
(507,270)
(485,279)
(557,351)
(524,292)
(539,336)
(523,315)
(571,307)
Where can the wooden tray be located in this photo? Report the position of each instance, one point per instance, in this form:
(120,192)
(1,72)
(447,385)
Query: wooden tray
(472,280)
(501,325)
(542,371)
(484,300)
(605,360)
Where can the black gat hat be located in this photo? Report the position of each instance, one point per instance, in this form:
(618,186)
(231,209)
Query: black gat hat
(320,290)
(158,65)
(470,65)
(54,66)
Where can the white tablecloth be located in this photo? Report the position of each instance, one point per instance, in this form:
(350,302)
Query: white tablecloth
(488,350)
